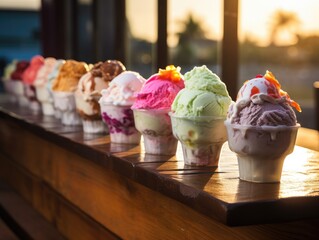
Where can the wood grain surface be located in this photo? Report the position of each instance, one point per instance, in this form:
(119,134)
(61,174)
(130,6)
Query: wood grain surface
(5,232)
(128,191)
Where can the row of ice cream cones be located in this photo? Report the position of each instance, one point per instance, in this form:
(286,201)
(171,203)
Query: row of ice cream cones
(166,108)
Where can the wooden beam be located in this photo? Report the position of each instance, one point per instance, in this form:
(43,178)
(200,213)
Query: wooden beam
(316,89)
(230,68)
(161,48)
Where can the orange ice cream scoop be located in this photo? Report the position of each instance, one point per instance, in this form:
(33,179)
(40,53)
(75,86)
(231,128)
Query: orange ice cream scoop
(69,76)
(268,85)
(272,79)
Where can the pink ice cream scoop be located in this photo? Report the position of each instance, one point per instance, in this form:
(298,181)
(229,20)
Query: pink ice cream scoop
(31,72)
(28,79)
(42,75)
(18,72)
(151,109)
(160,89)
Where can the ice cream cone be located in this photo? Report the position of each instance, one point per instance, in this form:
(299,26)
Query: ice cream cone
(261,151)
(201,138)
(120,121)
(156,128)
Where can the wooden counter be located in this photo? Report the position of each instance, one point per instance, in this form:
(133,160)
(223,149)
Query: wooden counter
(90,188)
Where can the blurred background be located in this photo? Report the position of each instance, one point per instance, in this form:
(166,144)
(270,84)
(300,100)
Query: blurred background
(237,39)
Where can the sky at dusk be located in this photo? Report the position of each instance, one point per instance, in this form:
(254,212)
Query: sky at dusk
(254,17)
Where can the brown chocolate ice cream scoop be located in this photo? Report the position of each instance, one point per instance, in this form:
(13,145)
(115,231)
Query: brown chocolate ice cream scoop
(96,69)
(110,69)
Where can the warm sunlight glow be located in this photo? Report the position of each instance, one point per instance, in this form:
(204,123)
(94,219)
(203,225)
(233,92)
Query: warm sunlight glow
(20,4)
(296,161)
(142,20)
(255,18)
(143,24)
(179,156)
(298,168)
(208,13)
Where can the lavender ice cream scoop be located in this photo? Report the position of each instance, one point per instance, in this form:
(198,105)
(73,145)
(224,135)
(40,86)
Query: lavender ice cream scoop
(267,114)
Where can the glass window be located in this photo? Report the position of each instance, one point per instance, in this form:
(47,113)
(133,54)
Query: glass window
(141,17)
(194,33)
(19,30)
(84,47)
(283,37)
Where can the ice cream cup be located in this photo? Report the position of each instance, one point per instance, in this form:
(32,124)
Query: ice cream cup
(201,137)
(29,92)
(94,126)
(89,112)
(44,96)
(18,91)
(65,103)
(57,112)
(8,87)
(120,121)
(261,150)
(156,128)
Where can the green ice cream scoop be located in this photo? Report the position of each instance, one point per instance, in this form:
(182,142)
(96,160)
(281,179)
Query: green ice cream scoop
(204,95)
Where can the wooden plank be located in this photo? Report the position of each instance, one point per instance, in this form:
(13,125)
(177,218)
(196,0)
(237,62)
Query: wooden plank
(128,208)
(20,213)
(6,233)
(68,219)
(142,198)
(218,193)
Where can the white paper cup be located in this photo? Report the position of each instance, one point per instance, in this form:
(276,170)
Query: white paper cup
(120,122)
(8,87)
(261,151)
(65,103)
(94,126)
(30,94)
(156,128)
(46,99)
(89,111)
(18,91)
(201,137)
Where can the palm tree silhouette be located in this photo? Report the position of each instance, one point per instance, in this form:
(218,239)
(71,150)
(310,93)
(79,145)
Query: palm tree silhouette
(282,21)
(192,29)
